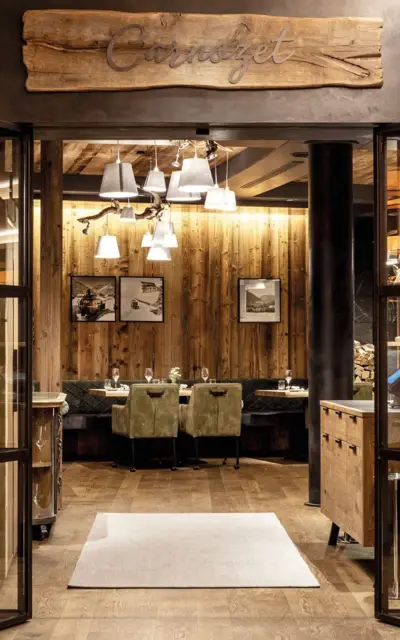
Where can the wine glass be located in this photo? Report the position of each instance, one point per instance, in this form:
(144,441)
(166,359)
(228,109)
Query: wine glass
(148,374)
(115,375)
(288,377)
(204,374)
(40,442)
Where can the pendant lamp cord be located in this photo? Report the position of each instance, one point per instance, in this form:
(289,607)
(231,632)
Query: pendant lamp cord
(226,177)
(155,150)
(215,172)
(118,158)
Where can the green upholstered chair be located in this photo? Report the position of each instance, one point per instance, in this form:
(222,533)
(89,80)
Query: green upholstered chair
(213,410)
(151,411)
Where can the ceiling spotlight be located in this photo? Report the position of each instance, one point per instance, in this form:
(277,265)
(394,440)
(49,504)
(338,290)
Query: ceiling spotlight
(211,150)
(177,162)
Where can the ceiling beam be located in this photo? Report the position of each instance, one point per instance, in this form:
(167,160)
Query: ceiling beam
(293,195)
(252,172)
(298,191)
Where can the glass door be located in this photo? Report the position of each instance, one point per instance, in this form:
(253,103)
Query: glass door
(15,376)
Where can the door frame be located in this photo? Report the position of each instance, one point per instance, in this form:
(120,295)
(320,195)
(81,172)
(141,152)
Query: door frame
(22,453)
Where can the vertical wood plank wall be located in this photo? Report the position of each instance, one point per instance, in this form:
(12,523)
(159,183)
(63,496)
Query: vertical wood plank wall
(201,325)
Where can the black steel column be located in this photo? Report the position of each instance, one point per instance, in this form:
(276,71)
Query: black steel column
(331,288)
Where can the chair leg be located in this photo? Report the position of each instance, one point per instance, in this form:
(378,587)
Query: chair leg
(133,467)
(237,465)
(173,454)
(196,454)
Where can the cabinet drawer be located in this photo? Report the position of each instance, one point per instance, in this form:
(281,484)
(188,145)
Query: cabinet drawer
(333,422)
(328,501)
(359,520)
(354,429)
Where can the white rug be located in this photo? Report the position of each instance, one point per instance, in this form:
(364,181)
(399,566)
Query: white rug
(190,550)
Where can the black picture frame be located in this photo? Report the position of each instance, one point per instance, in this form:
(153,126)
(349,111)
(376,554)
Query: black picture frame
(248,317)
(91,315)
(123,316)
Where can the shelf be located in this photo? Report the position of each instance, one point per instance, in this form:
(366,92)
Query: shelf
(41,465)
(394,344)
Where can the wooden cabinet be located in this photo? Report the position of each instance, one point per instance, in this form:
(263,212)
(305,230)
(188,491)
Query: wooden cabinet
(46,458)
(347,467)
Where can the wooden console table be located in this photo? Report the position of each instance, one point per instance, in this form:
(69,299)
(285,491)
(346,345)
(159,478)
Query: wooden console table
(46,459)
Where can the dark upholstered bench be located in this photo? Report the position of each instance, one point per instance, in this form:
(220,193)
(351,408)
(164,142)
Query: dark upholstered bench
(87,426)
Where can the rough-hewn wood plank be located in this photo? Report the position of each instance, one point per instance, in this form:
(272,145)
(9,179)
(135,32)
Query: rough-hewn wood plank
(69,50)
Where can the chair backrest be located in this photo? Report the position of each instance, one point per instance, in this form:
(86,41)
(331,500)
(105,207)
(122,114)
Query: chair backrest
(216,409)
(153,410)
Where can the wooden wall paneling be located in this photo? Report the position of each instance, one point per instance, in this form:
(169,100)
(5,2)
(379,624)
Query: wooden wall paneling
(275,366)
(213,293)
(297,295)
(136,254)
(266,270)
(72,366)
(283,273)
(186,235)
(236,270)
(201,327)
(51,236)
(225,301)
(173,308)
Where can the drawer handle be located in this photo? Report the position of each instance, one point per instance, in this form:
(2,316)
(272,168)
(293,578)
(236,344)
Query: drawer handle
(325,435)
(353,447)
(339,414)
(354,418)
(338,441)
(325,409)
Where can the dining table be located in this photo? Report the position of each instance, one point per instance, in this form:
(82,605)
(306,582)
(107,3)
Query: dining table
(283,393)
(123,393)
(287,393)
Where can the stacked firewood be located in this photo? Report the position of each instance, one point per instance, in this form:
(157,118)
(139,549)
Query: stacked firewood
(364,365)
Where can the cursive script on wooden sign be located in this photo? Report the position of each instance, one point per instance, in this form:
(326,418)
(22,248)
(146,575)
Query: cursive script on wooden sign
(177,55)
(68,50)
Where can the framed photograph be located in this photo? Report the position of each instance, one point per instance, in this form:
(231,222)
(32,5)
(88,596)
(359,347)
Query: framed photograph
(141,299)
(93,298)
(259,300)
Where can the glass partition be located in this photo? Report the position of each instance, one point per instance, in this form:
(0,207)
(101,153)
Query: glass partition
(15,377)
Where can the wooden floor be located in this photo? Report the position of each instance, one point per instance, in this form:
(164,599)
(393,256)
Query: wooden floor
(341,608)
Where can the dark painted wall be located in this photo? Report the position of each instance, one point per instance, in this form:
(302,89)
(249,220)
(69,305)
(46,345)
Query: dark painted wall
(193,106)
(363,278)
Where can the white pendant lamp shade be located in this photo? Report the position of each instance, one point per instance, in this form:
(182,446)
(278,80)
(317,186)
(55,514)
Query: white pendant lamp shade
(174,195)
(229,200)
(118,181)
(155,181)
(195,175)
(127,215)
(147,240)
(215,198)
(160,231)
(170,239)
(107,247)
(158,253)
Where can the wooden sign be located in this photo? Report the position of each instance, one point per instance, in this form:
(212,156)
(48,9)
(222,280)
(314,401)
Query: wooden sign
(68,50)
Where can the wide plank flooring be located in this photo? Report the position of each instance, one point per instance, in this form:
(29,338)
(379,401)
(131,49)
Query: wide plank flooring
(341,608)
